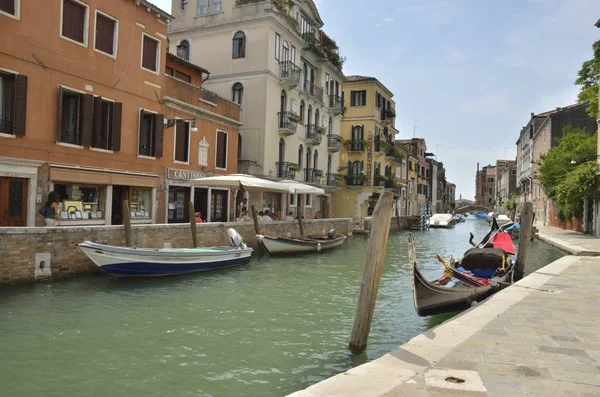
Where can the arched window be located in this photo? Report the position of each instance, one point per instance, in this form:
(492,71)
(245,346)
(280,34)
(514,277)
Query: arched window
(283,101)
(317,116)
(357,132)
(239,45)
(237,92)
(328,165)
(309,118)
(300,155)
(316,159)
(183,50)
(286,51)
(330,130)
(281,152)
(301,112)
(308,158)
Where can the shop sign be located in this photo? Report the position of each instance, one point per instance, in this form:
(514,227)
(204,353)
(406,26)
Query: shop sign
(186,175)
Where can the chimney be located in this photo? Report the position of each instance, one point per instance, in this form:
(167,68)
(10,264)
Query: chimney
(531,116)
(477,167)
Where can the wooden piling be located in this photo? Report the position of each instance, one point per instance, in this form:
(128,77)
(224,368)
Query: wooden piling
(380,228)
(526,223)
(127,223)
(301,225)
(256,229)
(192,212)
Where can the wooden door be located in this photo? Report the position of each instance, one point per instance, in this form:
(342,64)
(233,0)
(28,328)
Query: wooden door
(13,202)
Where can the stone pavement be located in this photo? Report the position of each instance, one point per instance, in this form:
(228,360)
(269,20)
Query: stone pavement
(573,242)
(539,337)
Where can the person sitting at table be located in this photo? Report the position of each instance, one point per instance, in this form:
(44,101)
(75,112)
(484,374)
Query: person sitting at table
(198,217)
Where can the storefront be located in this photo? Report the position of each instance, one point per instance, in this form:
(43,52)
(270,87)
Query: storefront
(213,203)
(95,197)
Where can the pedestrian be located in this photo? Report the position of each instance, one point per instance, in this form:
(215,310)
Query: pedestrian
(198,217)
(318,215)
(289,217)
(266,217)
(51,210)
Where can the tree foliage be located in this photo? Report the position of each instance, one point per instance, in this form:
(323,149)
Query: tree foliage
(566,183)
(588,78)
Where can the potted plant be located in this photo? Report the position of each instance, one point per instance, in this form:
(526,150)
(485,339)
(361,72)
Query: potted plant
(294,117)
(318,173)
(294,167)
(321,130)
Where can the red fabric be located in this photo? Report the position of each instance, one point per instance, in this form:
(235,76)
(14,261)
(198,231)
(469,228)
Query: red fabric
(503,240)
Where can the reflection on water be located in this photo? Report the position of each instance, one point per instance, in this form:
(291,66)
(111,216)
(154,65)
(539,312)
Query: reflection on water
(267,329)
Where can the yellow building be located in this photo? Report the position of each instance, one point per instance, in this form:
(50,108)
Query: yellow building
(368,158)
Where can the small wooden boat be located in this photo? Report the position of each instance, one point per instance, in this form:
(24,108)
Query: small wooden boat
(148,262)
(481,272)
(445,221)
(285,245)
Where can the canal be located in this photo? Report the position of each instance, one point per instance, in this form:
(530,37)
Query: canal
(268,329)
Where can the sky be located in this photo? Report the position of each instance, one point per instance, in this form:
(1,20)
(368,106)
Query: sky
(466,74)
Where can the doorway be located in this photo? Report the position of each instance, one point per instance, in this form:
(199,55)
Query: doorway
(119,194)
(13,202)
(201,202)
(179,197)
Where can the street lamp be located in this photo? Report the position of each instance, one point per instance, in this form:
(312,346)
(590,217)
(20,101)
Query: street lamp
(589,157)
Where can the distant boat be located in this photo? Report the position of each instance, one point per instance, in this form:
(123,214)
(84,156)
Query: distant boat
(445,221)
(481,272)
(285,245)
(503,219)
(148,262)
(480,215)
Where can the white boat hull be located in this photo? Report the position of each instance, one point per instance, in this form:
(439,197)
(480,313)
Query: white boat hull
(283,245)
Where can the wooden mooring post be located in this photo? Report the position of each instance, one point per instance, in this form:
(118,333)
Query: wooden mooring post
(380,228)
(192,212)
(127,223)
(526,223)
(256,229)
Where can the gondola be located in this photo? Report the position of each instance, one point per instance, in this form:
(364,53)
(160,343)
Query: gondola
(482,271)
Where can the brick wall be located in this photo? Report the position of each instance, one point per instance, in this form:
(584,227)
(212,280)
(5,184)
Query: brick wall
(22,249)
(575,224)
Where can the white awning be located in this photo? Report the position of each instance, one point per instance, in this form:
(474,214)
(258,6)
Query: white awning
(247,182)
(300,188)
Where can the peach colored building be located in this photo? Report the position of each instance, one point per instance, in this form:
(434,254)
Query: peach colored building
(89,100)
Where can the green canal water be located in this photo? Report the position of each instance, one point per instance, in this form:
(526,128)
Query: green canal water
(267,329)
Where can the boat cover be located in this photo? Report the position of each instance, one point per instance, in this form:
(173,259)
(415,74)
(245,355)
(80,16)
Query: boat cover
(504,241)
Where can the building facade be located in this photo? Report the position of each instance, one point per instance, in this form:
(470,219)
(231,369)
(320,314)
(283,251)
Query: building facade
(369,156)
(89,113)
(507,182)
(480,185)
(275,61)
(451,196)
(421,171)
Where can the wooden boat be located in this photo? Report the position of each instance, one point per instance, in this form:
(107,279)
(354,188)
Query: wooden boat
(445,221)
(285,245)
(148,262)
(481,272)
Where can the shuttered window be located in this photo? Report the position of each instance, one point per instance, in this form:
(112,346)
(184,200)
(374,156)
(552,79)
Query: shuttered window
(8,6)
(150,54)
(74,20)
(358,98)
(183,76)
(182,139)
(106,29)
(221,158)
(75,118)
(151,134)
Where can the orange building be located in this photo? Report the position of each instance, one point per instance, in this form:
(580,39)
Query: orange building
(89,103)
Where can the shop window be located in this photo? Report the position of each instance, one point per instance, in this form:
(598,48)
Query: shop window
(150,53)
(106,34)
(151,134)
(75,112)
(140,202)
(80,202)
(179,197)
(13,103)
(74,21)
(221,148)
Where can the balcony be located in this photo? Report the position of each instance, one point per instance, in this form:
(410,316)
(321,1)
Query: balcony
(313,90)
(286,170)
(336,105)
(333,180)
(334,143)
(378,180)
(355,180)
(312,134)
(289,73)
(356,145)
(208,96)
(310,39)
(287,123)
(313,175)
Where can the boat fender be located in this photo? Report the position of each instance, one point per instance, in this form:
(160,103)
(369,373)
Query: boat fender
(318,247)
(235,238)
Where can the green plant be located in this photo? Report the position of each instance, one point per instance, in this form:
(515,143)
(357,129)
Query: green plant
(294,117)
(318,173)
(510,203)
(294,167)
(588,78)
(321,130)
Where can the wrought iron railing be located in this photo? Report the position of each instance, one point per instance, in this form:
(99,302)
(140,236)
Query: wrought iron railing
(209,96)
(312,134)
(355,180)
(335,102)
(333,180)
(314,91)
(287,120)
(334,142)
(313,175)
(286,170)
(290,71)
(356,146)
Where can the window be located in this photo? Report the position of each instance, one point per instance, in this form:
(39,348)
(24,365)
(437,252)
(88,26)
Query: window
(183,5)
(277,45)
(106,132)
(293,55)
(308,200)
(286,51)
(326,83)
(70,112)
(302,112)
(300,155)
(292,200)
(150,52)
(182,76)
(106,36)
(490,189)
(215,6)
(183,50)
(151,134)
(239,45)
(206,7)
(358,98)
(140,202)
(10,7)
(182,142)
(74,21)
(13,104)
(221,150)
(378,100)
(80,202)
(237,92)
(169,71)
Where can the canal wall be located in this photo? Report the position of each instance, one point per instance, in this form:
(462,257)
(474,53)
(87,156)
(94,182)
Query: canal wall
(396,225)
(32,253)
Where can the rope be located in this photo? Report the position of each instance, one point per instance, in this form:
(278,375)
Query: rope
(522,286)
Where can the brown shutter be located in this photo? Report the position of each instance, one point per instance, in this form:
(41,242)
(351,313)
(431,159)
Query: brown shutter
(97,123)
(59,125)
(149,53)
(105,32)
(87,122)
(158,135)
(179,141)
(8,6)
(73,21)
(20,105)
(116,130)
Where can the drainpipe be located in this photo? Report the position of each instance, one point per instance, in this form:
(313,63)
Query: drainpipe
(207,76)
